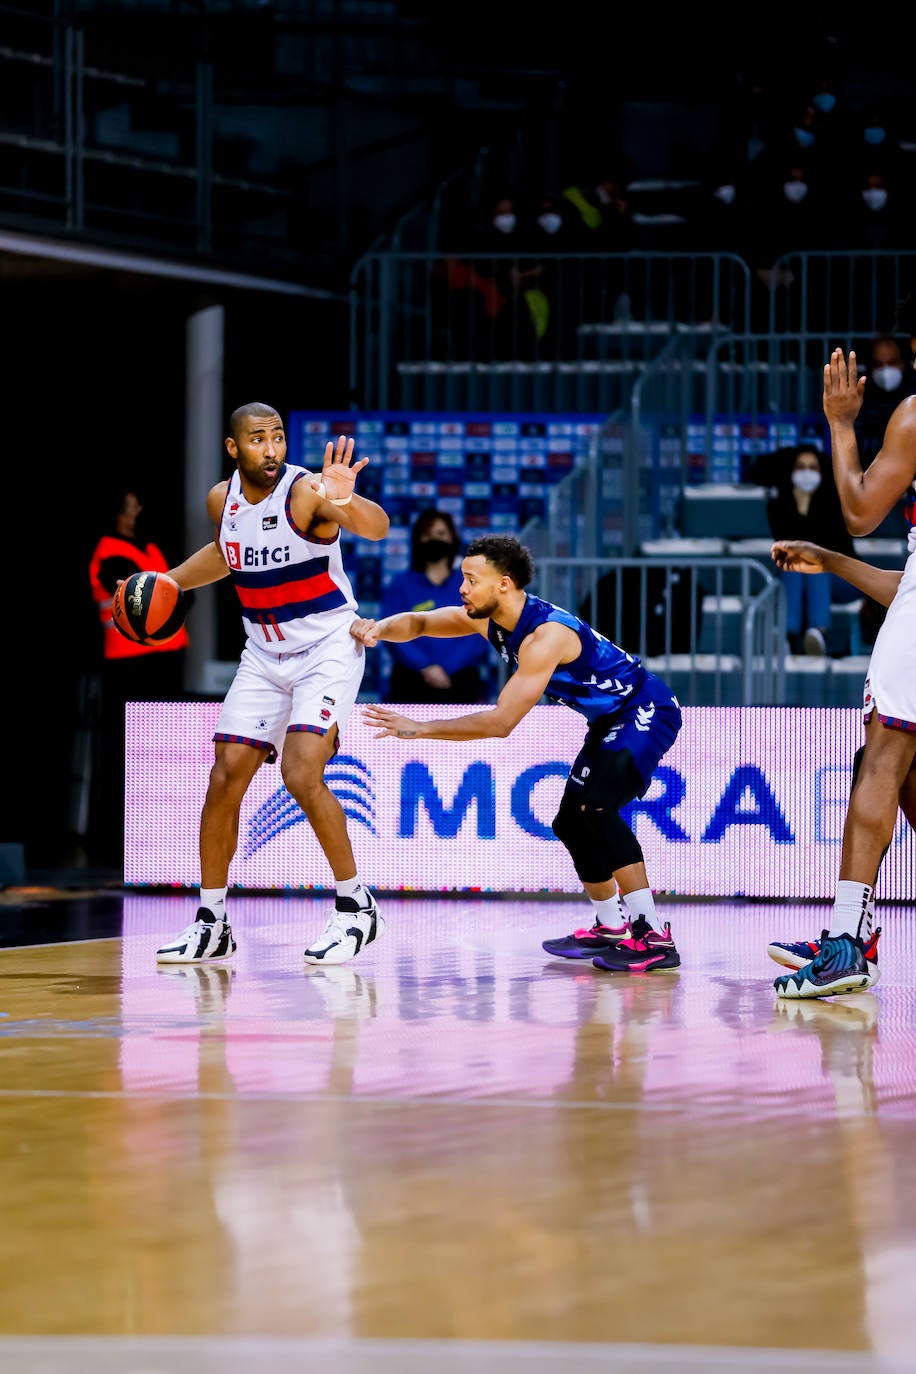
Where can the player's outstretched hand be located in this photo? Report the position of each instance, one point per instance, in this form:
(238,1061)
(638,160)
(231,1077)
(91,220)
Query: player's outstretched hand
(797,555)
(843,387)
(389,723)
(338,471)
(366,631)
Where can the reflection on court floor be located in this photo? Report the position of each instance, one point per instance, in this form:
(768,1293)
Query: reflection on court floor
(455,1152)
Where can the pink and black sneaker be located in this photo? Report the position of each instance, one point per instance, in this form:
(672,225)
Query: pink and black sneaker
(584,944)
(644,950)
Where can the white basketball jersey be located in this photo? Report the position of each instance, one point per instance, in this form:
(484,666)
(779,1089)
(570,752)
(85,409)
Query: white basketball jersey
(292,586)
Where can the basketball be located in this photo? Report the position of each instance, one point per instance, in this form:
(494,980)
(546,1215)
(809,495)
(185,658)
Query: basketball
(148,608)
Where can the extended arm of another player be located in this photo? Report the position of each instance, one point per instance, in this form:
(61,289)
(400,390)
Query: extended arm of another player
(797,555)
(447,622)
(537,661)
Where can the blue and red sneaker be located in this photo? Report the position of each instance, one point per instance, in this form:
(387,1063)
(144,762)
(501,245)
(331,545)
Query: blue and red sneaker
(840,966)
(803,951)
(583,944)
(644,950)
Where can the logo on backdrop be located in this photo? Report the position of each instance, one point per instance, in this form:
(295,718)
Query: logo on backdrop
(747,800)
(347,777)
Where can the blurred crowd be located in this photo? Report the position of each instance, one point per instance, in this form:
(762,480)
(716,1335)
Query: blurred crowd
(809,170)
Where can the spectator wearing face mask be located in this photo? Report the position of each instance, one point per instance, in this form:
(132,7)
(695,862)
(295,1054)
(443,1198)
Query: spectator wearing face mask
(876,219)
(785,216)
(473,285)
(547,279)
(429,669)
(889,377)
(803,499)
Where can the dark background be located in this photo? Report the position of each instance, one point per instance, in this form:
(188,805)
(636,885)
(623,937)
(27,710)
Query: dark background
(93,380)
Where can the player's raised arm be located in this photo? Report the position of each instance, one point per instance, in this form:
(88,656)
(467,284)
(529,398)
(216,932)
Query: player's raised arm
(331,500)
(866,496)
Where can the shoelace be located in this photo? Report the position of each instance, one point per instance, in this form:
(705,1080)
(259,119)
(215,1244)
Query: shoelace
(337,922)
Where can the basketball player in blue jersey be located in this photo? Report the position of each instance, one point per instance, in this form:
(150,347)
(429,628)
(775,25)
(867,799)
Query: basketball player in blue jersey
(277,535)
(632,721)
(846,954)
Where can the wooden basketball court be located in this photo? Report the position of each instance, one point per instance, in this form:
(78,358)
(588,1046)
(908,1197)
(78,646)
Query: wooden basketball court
(453,1154)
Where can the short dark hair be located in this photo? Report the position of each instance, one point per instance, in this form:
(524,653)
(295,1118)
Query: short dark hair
(254,408)
(507,554)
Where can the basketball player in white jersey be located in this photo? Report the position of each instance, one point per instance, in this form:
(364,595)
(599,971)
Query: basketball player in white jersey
(887,765)
(277,534)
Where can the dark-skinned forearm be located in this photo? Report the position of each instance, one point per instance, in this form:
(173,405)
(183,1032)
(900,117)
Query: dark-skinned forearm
(879,583)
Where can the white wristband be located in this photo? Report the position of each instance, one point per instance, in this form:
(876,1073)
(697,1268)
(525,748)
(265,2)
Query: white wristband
(321,490)
(342,501)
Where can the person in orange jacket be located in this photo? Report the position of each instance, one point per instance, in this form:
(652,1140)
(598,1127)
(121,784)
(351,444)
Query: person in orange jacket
(129,671)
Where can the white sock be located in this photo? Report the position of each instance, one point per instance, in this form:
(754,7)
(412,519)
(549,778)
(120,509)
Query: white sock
(213,899)
(850,907)
(642,903)
(610,912)
(353,887)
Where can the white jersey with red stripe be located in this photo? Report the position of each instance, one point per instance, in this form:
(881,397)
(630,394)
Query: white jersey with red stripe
(890,686)
(292,586)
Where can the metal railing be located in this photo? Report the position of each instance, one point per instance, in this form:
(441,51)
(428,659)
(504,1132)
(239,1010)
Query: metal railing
(443,331)
(678,615)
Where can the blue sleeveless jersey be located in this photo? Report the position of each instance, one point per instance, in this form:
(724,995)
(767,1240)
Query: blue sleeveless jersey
(602,680)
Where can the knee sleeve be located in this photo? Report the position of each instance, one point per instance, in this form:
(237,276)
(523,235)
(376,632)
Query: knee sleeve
(598,839)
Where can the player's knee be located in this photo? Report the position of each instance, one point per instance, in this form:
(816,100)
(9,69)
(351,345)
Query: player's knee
(598,840)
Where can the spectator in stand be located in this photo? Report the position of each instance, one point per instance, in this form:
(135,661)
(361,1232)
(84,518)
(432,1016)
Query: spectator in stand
(784,217)
(877,215)
(803,499)
(473,293)
(425,669)
(603,218)
(549,286)
(876,145)
(889,377)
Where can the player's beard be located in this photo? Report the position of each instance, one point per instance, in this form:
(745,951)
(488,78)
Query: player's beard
(481,612)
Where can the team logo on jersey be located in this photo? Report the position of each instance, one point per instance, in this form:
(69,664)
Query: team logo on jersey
(325,713)
(234,508)
(269,522)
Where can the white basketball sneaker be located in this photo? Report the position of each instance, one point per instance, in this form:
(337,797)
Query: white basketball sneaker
(349,929)
(202,940)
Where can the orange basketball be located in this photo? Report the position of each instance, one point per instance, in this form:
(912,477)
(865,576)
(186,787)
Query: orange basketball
(148,608)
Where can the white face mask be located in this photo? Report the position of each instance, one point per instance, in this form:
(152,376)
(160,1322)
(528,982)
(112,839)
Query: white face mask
(875,197)
(795,191)
(725,193)
(504,224)
(888,377)
(806,479)
(550,223)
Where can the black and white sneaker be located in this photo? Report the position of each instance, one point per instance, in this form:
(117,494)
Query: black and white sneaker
(203,940)
(349,929)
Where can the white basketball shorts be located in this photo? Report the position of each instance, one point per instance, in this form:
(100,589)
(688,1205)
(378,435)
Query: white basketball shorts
(272,695)
(890,687)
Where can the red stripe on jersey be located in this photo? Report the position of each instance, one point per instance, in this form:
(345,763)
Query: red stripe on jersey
(269,598)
